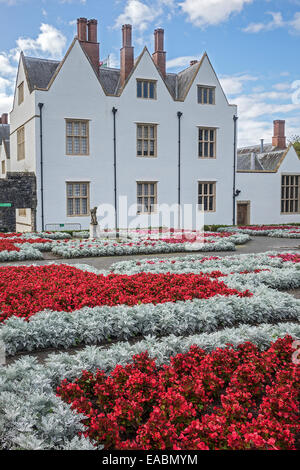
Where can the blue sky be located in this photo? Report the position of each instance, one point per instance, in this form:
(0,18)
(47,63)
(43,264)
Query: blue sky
(253,45)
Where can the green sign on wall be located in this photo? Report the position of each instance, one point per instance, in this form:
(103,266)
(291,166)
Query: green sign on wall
(5,204)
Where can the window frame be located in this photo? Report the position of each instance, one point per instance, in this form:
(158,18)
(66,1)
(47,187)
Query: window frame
(207,87)
(148,139)
(209,142)
(208,195)
(22,213)
(21,93)
(87,197)
(87,137)
(284,187)
(149,195)
(21,143)
(148,81)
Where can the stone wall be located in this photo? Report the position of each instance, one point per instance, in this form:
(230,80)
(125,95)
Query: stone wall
(19,189)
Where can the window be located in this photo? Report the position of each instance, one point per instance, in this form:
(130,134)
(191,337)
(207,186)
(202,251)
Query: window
(146,197)
(78,203)
(207,196)
(21,143)
(290,203)
(77,137)
(146,140)
(146,89)
(206,94)
(207,143)
(21,93)
(22,212)
(3,167)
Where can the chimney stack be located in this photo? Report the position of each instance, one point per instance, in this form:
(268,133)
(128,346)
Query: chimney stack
(127,53)
(193,62)
(159,55)
(87,35)
(279,139)
(4,118)
(92,30)
(81,29)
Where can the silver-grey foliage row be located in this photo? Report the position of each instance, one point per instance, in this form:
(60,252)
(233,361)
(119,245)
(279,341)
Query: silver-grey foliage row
(32,417)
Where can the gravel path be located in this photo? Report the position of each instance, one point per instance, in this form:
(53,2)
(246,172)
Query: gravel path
(256,245)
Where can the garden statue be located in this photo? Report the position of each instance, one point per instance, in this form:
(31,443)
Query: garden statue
(94,220)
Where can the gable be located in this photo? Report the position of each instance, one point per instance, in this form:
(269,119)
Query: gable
(201,73)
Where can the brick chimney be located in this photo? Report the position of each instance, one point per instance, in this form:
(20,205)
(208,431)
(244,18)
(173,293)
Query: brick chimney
(81,29)
(87,35)
(279,139)
(4,118)
(159,55)
(127,53)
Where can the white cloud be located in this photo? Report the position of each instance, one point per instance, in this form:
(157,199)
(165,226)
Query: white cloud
(6,69)
(276,22)
(211,12)
(233,85)
(50,42)
(178,62)
(282,86)
(138,14)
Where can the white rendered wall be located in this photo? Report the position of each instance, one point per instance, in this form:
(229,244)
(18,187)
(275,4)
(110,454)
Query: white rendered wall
(23,114)
(263,190)
(77,93)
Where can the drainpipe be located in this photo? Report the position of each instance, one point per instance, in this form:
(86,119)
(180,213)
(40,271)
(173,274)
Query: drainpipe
(235,118)
(114,111)
(179,115)
(40,105)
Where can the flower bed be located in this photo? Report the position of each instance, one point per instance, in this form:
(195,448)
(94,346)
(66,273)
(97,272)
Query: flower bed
(93,322)
(27,290)
(17,246)
(164,307)
(277,231)
(27,389)
(227,399)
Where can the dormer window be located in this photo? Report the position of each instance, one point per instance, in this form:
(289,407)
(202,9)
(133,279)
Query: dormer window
(146,89)
(206,94)
(21,93)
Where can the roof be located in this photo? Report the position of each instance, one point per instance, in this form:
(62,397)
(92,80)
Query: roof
(40,72)
(254,159)
(4,132)
(4,137)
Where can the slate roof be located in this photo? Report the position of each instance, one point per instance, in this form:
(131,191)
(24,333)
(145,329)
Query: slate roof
(252,158)
(40,72)
(4,132)
(4,137)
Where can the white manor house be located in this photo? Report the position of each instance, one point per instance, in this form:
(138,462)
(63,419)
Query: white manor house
(83,134)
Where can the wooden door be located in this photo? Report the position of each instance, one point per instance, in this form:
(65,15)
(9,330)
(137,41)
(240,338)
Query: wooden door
(243,213)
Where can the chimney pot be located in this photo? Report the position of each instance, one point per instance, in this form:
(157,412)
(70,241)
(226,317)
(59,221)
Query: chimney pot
(91,46)
(92,30)
(82,29)
(159,55)
(279,138)
(127,53)
(126,35)
(261,145)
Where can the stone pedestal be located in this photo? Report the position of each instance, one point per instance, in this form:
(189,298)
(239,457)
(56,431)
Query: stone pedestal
(94,231)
